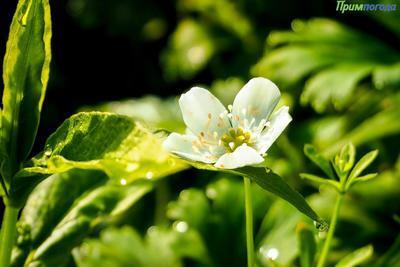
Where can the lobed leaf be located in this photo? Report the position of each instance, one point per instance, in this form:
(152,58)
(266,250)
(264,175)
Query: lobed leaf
(111,143)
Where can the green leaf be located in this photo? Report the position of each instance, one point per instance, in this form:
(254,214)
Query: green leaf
(335,85)
(48,204)
(114,144)
(386,76)
(386,121)
(276,239)
(125,247)
(151,110)
(192,207)
(331,56)
(344,161)
(319,160)
(25,75)
(307,245)
(363,178)
(276,185)
(273,183)
(363,163)
(357,257)
(92,209)
(320,180)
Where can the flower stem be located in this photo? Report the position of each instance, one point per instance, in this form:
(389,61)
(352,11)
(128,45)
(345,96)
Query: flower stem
(8,234)
(332,226)
(249,222)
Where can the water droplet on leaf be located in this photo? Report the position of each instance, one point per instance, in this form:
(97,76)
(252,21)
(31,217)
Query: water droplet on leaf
(321,225)
(268,252)
(149,175)
(181,226)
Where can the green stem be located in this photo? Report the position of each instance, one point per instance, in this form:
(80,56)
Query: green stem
(8,234)
(249,222)
(332,226)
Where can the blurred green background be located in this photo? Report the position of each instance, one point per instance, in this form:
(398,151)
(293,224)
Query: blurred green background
(339,73)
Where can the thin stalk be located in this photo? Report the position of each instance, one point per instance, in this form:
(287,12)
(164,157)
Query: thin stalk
(332,226)
(8,235)
(249,222)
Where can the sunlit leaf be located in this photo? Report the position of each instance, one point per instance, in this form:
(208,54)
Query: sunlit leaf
(357,257)
(387,76)
(363,163)
(150,110)
(112,143)
(333,85)
(25,75)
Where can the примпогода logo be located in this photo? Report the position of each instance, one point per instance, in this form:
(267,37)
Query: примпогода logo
(343,6)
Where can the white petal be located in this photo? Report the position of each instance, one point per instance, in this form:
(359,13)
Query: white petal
(278,122)
(242,156)
(257,99)
(184,146)
(201,112)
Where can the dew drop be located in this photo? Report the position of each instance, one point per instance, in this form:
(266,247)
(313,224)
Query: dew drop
(270,253)
(122,182)
(181,226)
(130,167)
(149,175)
(211,193)
(321,225)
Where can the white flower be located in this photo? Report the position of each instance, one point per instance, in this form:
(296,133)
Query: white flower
(234,138)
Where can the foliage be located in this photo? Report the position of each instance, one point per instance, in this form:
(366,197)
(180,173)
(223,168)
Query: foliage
(103,192)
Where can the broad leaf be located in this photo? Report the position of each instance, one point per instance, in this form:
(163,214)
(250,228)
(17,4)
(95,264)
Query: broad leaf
(25,76)
(112,143)
(65,220)
(357,257)
(334,85)
(334,59)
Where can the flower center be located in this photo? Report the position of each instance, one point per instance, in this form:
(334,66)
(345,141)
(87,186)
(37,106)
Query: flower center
(234,138)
